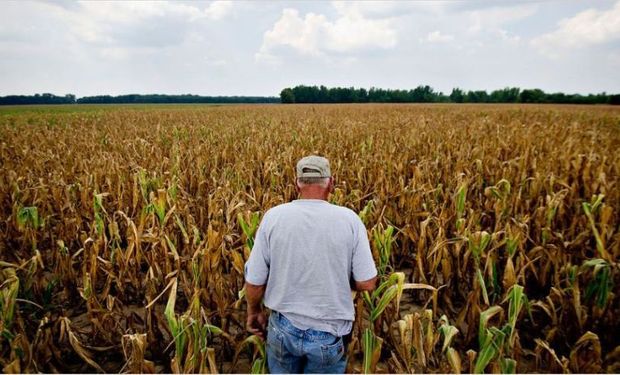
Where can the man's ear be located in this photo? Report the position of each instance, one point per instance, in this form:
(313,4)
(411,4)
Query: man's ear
(332,184)
(297,186)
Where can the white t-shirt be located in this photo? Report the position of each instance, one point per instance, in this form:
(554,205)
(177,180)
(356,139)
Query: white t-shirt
(306,251)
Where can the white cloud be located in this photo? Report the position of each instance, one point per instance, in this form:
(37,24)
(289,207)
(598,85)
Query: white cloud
(586,28)
(215,62)
(218,9)
(508,37)
(386,9)
(129,11)
(488,19)
(137,23)
(315,35)
(132,11)
(114,53)
(437,37)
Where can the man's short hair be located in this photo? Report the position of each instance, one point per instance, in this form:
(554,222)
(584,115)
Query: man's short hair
(305,181)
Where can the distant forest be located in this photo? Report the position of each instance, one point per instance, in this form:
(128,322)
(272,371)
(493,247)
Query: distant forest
(132,99)
(322,94)
(426,94)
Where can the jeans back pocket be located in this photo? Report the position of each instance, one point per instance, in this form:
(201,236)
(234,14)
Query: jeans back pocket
(332,353)
(275,341)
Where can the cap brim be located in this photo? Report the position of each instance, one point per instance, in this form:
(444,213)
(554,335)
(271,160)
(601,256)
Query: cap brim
(311,174)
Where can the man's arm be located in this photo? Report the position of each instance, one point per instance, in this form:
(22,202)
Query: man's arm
(256,276)
(254,295)
(256,321)
(364,271)
(368,285)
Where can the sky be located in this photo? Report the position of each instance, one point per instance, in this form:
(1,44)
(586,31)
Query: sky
(259,48)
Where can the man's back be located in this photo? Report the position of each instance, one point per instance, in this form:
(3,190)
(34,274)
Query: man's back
(304,256)
(307,251)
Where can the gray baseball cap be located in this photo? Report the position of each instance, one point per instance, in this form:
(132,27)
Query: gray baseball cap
(313,166)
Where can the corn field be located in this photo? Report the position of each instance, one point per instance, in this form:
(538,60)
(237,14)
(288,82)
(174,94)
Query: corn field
(495,229)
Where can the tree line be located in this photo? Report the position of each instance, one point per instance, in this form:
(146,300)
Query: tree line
(426,94)
(322,94)
(37,99)
(176,99)
(132,99)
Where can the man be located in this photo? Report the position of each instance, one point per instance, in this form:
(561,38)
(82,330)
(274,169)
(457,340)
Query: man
(305,255)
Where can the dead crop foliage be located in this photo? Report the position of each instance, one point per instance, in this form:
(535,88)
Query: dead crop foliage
(124,231)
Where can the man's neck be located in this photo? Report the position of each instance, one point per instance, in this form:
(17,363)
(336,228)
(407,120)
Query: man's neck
(313,195)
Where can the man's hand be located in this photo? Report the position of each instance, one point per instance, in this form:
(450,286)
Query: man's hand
(257,323)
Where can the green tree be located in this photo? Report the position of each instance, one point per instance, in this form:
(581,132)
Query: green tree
(457,95)
(287,96)
(533,96)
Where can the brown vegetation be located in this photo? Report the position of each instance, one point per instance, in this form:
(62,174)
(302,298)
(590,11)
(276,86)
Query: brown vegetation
(496,229)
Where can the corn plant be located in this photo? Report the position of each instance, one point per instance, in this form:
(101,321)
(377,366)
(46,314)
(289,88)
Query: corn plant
(177,326)
(371,346)
(147,184)
(379,299)
(501,192)
(418,338)
(494,342)
(516,301)
(259,356)
(601,284)
(28,217)
(551,210)
(491,349)
(9,290)
(461,197)
(376,302)
(422,338)
(99,211)
(134,347)
(448,332)
(190,333)
(29,221)
(383,240)
(477,245)
(590,209)
(365,213)
(405,329)
(249,227)
(159,205)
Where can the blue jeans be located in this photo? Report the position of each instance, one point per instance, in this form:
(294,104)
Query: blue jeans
(292,350)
